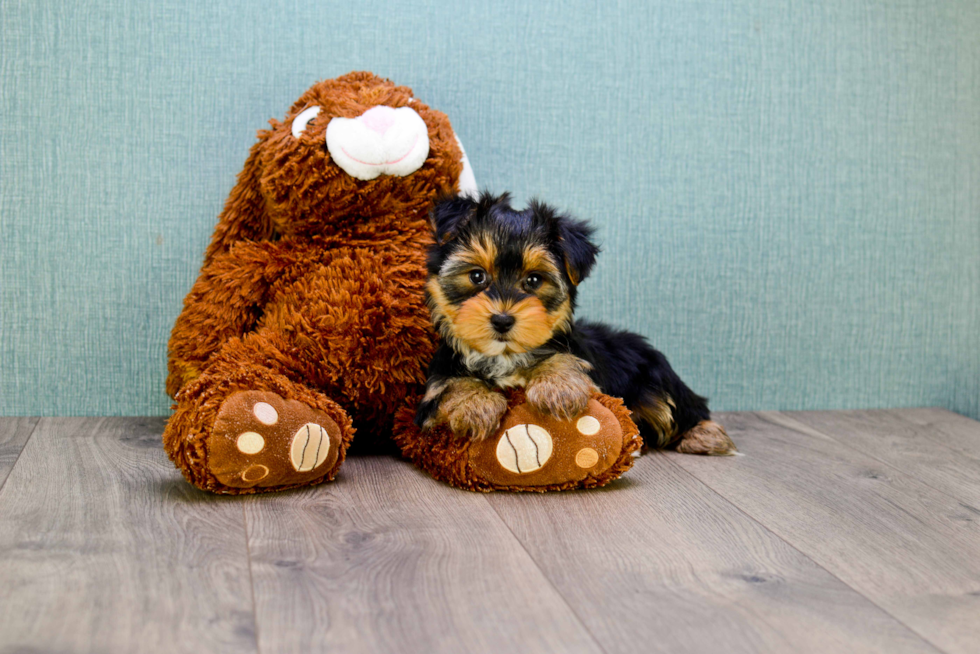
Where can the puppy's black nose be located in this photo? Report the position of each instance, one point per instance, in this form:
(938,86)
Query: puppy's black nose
(502,322)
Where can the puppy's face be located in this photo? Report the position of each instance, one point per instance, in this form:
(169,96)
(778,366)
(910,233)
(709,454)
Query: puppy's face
(503,282)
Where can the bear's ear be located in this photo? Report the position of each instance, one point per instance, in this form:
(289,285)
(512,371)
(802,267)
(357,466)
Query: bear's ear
(449,215)
(244,217)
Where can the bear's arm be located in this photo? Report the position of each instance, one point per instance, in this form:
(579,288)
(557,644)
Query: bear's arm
(226,301)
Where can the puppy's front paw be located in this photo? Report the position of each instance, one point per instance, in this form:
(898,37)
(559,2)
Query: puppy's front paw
(562,396)
(478,420)
(471,409)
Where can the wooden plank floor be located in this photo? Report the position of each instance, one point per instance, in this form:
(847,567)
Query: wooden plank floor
(853,531)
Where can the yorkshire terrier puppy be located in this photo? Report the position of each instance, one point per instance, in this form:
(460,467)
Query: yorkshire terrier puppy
(501,290)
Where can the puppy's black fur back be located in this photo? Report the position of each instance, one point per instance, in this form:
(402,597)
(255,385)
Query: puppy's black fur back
(625,365)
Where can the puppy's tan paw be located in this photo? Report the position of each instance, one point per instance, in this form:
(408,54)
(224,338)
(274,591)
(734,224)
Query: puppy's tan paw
(471,409)
(560,386)
(707,437)
(477,421)
(562,398)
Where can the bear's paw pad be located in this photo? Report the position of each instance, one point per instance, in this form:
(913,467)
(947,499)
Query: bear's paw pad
(524,448)
(310,447)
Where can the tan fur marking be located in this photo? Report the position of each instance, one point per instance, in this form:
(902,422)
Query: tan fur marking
(536,258)
(443,313)
(481,251)
(560,386)
(533,326)
(707,437)
(561,318)
(470,409)
(512,380)
(472,322)
(452,261)
(439,301)
(434,391)
(657,413)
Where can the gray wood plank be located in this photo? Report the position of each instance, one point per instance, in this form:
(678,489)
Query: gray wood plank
(888,437)
(104,548)
(912,550)
(951,429)
(14,433)
(387,560)
(657,562)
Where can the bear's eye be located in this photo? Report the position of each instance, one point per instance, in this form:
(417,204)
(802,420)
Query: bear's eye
(303,119)
(533,282)
(478,277)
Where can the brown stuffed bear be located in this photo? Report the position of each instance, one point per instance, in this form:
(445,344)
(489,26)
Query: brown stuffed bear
(308,316)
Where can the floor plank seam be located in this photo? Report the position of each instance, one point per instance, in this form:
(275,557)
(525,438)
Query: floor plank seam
(805,555)
(862,452)
(3,483)
(251,580)
(578,617)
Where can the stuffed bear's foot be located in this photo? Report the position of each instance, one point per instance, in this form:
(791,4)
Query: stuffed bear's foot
(251,430)
(530,451)
(260,439)
(536,450)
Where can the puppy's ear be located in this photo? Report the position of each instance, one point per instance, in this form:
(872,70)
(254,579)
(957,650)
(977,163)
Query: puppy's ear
(244,217)
(449,215)
(573,238)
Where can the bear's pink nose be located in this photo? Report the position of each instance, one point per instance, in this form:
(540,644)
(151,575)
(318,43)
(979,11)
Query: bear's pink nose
(379,119)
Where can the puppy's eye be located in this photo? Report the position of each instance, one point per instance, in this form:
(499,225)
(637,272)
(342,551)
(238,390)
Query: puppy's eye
(303,119)
(478,277)
(533,282)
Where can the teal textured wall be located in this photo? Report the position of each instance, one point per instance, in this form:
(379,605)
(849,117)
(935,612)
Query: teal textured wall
(788,192)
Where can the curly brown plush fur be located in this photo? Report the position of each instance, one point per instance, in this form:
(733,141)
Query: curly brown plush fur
(311,292)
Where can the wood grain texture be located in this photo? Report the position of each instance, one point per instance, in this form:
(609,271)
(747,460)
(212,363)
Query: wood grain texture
(387,560)
(660,562)
(14,433)
(950,429)
(105,548)
(837,531)
(912,550)
(912,448)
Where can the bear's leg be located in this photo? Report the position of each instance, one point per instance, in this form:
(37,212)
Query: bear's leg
(250,424)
